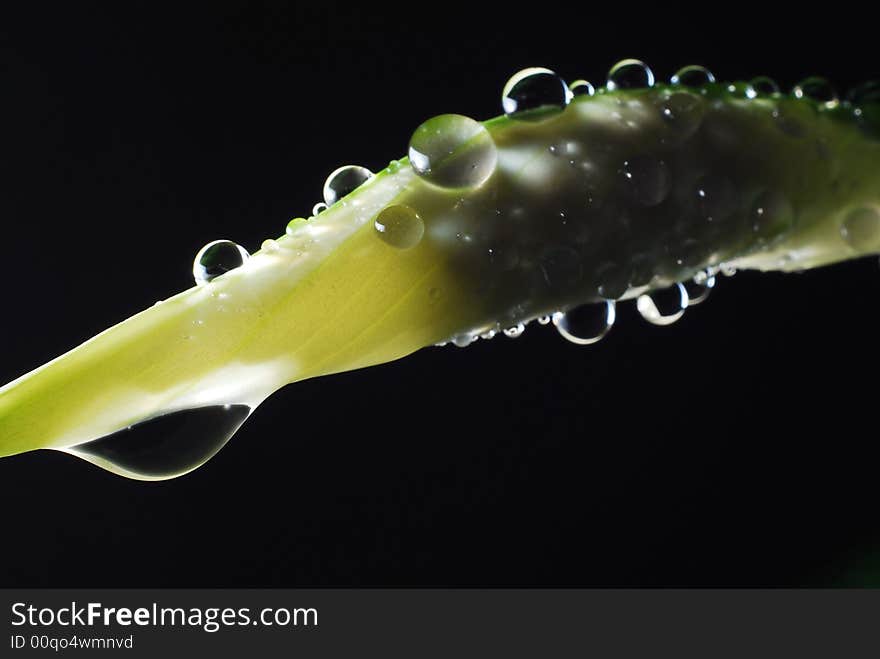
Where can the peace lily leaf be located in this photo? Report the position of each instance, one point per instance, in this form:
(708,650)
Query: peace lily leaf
(567,202)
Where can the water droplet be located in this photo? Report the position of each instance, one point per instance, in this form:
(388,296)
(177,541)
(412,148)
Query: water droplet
(269,245)
(693,76)
(587,323)
(318,208)
(399,226)
(343,181)
(463,340)
(629,74)
(561,266)
(165,446)
(543,320)
(772,214)
(295,225)
(453,151)
(665,306)
(861,229)
(683,112)
(715,198)
(646,179)
(515,332)
(727,270)
(699,287)
(764,86)
(581,88)
(216,258)
(488,335)
(534,93)
(817,89)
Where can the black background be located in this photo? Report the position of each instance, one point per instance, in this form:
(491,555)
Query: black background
(737,447)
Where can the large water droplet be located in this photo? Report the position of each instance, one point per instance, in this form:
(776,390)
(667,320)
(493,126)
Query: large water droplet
(772,214)
(399,226)
(764,86)
(665,306)
(581,88)
(217,258)
(629,74)
(699,287)
(692,76)
(587,323)
(817,89)
(165,446)
(534,93)
(646,179)
(344,181)
(453,151)
(861,229)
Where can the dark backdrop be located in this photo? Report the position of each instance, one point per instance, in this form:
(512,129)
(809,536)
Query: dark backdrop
(737,447)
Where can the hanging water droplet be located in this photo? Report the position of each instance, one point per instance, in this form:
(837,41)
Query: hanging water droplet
(665,306)
(646,179)
(629,74)
(453,151)
(861,229)
(727,270)
(543,320)
(586,324)
(581,88)
(764,86)
(488,335)
(515,332)
(318,208)
(295,225)
(463,340)
(399,226)
(772,214)
(269,245)
(693,76)
(165,446)
(343,181)
(699,287)
(817,89)
(217,258)
(534,93)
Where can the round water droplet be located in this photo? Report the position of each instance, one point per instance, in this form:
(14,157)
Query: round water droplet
(683,112)
(344,181)
(587,323)
(453,151)
(715,198)
(217,258)
(693,76)
(861,229)
(534,93)
(646,179)
(399,226)
(269,245)
(581,88)
(318,208)
(295,225)
(699,287)
(817,89)
(463,340)
(543,320)
(488,335)
(629,74)
(515,332)
(764,86)
(663,307)
(771,215)
(727,270)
